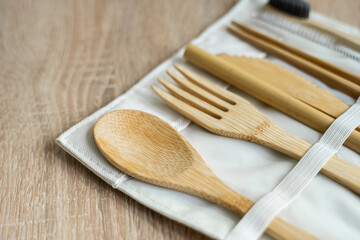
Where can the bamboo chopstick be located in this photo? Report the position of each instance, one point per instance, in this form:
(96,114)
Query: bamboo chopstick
(330,67)
(265,92)
(328,73)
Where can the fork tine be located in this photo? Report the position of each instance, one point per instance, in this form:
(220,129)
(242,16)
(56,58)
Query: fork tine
(192,113)
(199,92)
(191,100)
(221,93)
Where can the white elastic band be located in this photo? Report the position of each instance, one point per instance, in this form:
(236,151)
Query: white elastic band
(256,220)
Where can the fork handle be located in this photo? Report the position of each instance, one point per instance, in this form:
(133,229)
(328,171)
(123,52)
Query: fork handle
(343,172)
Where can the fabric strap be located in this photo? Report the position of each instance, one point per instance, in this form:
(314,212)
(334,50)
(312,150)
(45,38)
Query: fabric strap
(256,220)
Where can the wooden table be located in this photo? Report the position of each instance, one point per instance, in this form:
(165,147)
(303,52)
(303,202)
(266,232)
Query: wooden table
(59,62)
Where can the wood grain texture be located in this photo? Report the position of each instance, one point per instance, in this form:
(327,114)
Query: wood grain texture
(151,150)
(59,62)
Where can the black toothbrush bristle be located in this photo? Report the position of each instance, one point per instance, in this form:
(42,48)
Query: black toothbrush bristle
(298,8)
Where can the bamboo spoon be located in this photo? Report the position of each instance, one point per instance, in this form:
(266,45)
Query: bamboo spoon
(265,92)
(147,148)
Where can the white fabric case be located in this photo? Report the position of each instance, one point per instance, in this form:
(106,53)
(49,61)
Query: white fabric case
(324,209)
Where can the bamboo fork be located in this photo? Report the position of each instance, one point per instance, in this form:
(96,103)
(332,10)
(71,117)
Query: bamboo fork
(228,114)
(336,77)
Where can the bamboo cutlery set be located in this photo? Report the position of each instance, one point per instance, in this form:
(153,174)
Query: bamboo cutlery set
(146,147)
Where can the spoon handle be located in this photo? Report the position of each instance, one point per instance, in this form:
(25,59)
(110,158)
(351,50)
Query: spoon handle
(278,228)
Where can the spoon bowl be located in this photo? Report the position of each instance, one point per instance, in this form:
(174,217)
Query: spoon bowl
(149,149)
(123,131)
